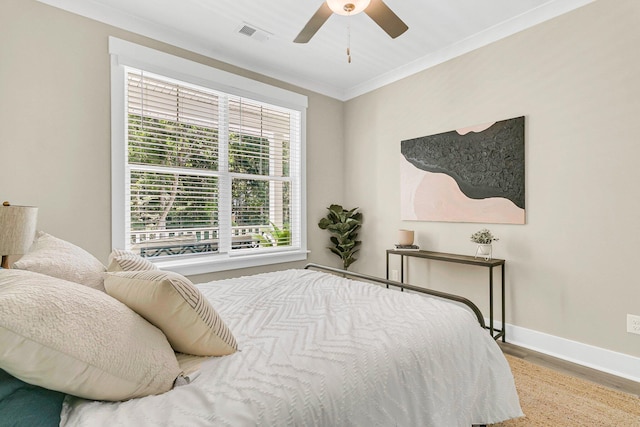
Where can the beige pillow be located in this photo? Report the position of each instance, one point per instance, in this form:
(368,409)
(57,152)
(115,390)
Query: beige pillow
(172,303)
(71,338)
(58,258)
(121,260)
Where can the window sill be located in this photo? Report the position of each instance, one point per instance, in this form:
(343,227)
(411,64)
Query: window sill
(222,262)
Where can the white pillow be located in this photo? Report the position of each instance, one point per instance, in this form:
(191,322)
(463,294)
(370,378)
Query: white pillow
(58,258)
(71,338)
(172,303)
(121,260)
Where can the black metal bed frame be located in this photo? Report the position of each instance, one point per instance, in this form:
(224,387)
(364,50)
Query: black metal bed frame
(402,287)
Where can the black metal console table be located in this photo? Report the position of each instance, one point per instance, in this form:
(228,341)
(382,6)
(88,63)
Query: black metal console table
(460,259)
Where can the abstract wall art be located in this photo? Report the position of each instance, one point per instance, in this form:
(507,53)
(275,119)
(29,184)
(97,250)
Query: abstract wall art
(475,174)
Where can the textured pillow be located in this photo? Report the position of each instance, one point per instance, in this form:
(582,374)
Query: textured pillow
(67,337)
(121,260)
(172,303)
(58,258)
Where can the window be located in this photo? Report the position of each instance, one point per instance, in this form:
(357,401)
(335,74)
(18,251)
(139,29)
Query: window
(205,177)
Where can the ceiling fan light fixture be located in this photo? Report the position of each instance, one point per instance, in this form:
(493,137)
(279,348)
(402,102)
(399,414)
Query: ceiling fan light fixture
(348,7)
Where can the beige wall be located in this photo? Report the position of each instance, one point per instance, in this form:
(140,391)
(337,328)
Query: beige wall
(55,127)
(572,269)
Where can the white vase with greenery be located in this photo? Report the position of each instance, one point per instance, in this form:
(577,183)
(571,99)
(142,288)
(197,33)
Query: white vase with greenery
(483,238)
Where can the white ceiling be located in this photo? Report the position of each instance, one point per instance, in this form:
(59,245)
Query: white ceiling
(438,30)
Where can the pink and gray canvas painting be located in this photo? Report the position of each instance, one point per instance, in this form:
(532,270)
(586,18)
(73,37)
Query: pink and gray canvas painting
(475,174)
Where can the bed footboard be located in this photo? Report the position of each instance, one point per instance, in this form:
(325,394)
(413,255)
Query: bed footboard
(403,286)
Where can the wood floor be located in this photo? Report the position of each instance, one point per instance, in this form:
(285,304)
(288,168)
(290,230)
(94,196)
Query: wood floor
(599,377)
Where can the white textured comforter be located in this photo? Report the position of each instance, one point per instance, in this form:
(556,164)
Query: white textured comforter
(319,350)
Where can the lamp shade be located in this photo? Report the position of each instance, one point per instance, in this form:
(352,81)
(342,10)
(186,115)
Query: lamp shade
(17,228)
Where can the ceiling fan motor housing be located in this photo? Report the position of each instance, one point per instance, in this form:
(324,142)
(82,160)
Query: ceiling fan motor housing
(348,7)
(377,10)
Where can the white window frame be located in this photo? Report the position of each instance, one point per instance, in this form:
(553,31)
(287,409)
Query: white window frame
(126,54)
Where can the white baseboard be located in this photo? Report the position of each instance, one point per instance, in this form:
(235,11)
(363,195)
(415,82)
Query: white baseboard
(619,364)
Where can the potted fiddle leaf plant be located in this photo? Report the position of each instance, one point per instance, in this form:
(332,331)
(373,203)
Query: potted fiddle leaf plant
(343,224)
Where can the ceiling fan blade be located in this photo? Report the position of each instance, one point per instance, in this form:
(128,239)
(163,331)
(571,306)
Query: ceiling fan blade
(385,18)
(314,24)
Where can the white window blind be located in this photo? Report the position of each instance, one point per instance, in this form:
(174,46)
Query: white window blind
(208,172)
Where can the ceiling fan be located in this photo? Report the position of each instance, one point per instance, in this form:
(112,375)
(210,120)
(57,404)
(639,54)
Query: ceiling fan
(376,9)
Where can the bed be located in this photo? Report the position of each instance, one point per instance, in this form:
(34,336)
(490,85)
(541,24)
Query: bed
(319,349)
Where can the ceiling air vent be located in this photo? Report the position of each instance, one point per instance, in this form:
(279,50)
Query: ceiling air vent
(253,32)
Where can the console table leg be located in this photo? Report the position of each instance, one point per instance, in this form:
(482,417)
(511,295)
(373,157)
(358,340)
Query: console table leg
(504,322)
(491,300)
(387,269)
